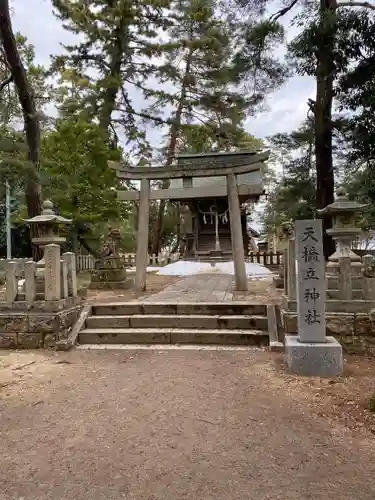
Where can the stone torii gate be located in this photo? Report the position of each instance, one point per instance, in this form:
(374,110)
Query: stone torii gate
(235,164)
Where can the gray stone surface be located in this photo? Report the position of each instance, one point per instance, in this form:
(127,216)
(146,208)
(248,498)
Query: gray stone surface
(52,272)
(345,284)
(30,285)
(70,260)
(142,236)
(236,233)
(11,282)
(311,286)
(314,359)
(64,279)
(291,271)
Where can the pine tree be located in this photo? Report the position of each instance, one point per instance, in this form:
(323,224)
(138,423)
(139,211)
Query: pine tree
(107,65)
(195,82)
(317,45)
(292,194)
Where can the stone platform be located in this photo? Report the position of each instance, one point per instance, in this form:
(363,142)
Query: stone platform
(213,287)
(323,359)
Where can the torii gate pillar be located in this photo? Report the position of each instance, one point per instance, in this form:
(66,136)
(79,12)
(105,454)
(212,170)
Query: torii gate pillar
(142,237)
(240,277)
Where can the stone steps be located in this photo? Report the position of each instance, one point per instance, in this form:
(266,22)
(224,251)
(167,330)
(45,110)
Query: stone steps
(203,322)
(209,323)
(182,308)
(172,336)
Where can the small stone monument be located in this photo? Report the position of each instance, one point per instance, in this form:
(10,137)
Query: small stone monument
(48,224)
(311,352)
(344,230)
(110,270)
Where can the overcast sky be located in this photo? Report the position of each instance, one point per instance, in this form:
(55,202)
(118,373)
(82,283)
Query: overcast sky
(286,108)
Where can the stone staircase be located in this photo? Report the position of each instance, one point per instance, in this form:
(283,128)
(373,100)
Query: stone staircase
(219,323)
(207,252)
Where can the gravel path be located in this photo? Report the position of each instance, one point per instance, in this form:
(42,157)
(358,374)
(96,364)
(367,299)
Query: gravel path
(171,425)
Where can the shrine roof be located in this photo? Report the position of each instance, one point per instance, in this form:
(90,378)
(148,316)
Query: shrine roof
(217,154)
(206,165)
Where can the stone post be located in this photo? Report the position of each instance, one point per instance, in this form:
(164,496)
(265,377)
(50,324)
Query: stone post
(70,259)
(291,276)
(142,237)
(236,233)
(11,282)
(368,278)
(345,278)
(52,272)
(312,353)
(64,279)
(30,282)
(285,260)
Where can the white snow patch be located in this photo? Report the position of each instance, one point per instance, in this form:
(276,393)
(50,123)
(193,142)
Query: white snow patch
(188,268)
(150,269)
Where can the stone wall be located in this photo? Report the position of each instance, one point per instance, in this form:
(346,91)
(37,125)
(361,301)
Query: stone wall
(38,327)
(354,331)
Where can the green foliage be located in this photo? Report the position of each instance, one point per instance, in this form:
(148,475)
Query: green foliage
(75,174)
(100,72)
(292,196)
(196,138)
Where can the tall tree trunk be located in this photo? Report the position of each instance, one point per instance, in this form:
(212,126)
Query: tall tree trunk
(30,115)
(173,137)
(114,76)
(323,117)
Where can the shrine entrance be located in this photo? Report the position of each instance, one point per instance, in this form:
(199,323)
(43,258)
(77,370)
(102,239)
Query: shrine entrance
(213,186)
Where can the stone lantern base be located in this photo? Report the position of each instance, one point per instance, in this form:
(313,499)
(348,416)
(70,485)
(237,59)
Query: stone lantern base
(110,274)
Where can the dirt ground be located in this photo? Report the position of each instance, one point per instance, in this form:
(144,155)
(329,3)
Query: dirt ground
(155,283)
(171,425)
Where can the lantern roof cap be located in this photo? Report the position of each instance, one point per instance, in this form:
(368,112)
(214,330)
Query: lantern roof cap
(48,215)
(342,204)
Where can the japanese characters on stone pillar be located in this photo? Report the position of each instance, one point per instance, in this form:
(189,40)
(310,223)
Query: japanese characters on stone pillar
(52,272)
(311,284)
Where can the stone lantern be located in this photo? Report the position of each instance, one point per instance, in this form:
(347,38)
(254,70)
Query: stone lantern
(49,225)
(344,230)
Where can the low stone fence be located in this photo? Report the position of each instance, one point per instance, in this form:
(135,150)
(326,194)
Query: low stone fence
(41,307)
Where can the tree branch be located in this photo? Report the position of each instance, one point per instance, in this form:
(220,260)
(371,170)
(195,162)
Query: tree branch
(364,5)
(283,11)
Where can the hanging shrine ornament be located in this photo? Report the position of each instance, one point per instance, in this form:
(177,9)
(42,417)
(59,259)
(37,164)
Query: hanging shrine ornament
(208,217)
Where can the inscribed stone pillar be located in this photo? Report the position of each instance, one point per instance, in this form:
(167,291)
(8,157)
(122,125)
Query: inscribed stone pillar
(30,283)
(70,259)
(11,282)
(142,237)
(64,279)
(52,272)
(236,232)
(311,286)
